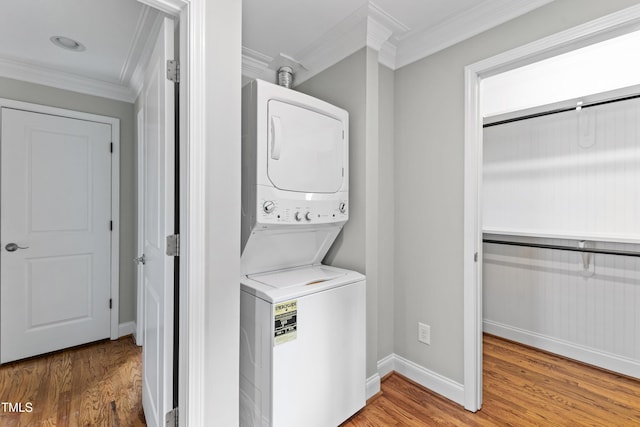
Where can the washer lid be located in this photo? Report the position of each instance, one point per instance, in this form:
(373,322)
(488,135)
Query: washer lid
(297,277)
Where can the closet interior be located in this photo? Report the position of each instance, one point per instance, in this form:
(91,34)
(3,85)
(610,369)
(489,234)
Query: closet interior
(561,229)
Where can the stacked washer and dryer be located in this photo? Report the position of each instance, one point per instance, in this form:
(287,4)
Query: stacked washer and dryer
(302,339)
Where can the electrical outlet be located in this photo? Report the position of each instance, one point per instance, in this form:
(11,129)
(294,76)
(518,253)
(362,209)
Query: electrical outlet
(424,333)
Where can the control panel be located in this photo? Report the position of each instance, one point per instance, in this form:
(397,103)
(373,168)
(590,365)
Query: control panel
(302,212)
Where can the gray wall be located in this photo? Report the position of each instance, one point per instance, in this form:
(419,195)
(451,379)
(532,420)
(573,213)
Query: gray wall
(353,85)
(343,85)
(45,95)
(429,139)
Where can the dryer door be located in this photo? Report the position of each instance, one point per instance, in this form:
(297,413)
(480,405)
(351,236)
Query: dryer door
(306,150)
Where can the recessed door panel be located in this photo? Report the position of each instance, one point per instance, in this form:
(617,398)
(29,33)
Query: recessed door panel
(305,149)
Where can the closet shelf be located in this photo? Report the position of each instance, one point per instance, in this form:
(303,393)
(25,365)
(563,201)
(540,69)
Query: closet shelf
(589,237)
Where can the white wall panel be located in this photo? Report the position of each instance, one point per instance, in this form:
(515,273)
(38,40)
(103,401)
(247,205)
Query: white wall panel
(573,174)
(555,180)
(538,295)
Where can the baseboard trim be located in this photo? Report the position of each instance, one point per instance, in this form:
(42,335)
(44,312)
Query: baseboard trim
(373,386)
(127,328)
(433,381)
(591,356)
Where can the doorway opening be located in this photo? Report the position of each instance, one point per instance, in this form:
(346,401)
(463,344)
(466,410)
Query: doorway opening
(119,94)
(606,28)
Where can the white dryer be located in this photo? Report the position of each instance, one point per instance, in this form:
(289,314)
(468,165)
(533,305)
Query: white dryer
(302,342)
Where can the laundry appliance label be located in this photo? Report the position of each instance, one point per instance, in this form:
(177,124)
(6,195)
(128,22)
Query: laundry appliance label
(285,319)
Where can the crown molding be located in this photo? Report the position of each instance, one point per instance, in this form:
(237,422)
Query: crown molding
(377,33)
(369,26)
(38,74)
(137,44)
(387,55)
(338,43)
(170,7)
(376,12)
(396,43)
(473,21)
(255,65)
(136,81)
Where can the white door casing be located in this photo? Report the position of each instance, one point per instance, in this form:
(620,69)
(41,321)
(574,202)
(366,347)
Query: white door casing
(57,203)
(207,380)
(159,176)
(140,236)
(621,22)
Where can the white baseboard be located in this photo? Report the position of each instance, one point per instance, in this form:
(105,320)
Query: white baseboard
(386,365)
(127,328)
(435,382)
(567,349)
(373,386)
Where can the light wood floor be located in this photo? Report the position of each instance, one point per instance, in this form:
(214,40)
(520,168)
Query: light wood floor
(93,385)
(100,385)
(522,387)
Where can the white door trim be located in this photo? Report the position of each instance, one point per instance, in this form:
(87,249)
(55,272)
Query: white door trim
(115,189)
(600,29)
(140,237)
(193,198)
(194,393)
(192,122)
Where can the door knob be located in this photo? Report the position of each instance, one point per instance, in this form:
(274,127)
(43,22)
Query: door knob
(12,247)
(140,260)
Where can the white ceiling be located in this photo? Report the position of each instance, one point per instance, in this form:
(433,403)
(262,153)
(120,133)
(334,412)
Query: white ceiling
(309,34)
(114,32)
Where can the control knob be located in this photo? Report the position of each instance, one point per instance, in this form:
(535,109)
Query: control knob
(342,207)
(268,206)
(298,216)
(307,216)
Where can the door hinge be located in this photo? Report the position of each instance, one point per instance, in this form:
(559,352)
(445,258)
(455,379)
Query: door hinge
(173,71)
(173,245)
(475,257)
(111,147)
(110,303)
(171,419)
(110,225)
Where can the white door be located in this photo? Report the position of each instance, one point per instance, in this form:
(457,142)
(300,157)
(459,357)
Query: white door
(159,175)
(56,238)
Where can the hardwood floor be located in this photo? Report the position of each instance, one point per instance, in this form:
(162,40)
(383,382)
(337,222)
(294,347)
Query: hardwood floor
(522,387)
(94,385)
(100,385)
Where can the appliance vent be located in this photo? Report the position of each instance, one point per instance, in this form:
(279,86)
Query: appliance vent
(285,77)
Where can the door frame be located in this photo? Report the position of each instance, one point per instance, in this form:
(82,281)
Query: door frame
(140,225)
(115,191)
(208,266)
(192,122)
(609,26)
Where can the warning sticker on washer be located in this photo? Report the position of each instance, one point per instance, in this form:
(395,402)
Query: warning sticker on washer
(285,318)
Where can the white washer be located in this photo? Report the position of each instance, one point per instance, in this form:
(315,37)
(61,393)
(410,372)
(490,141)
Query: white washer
(302,347)
(303,325)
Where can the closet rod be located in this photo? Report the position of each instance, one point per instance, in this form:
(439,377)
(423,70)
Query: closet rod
(562,248)
(560,110)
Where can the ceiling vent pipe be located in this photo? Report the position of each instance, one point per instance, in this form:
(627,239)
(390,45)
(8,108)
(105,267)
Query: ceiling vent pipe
(285,77)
